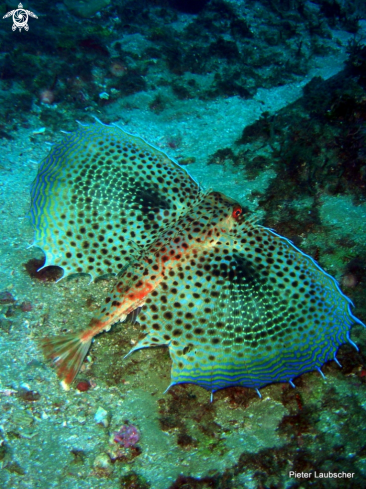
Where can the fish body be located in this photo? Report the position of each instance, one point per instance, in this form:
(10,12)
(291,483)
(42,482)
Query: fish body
(235,303)
(199,230)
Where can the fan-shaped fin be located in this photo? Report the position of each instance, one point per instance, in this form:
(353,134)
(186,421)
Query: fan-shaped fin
(249,311)
(101,189)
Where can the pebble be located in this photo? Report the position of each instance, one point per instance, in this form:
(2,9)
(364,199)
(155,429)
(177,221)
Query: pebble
(6,297)
(102,417)
(103,464)
(83,386)
(41,130)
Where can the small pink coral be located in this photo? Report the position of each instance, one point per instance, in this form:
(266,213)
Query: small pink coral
(127,436)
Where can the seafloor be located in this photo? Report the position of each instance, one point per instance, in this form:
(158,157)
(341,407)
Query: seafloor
(264,101)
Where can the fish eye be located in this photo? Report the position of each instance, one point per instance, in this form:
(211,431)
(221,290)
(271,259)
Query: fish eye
(237,212)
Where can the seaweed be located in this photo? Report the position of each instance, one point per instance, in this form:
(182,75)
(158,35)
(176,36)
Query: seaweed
(48,274)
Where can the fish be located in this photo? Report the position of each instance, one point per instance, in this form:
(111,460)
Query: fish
(140,280)
(101,195)
(235,303)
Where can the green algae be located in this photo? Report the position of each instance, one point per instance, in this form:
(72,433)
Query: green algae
(255,428)
(345,219)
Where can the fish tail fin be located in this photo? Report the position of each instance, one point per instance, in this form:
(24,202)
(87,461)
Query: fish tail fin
(67,352)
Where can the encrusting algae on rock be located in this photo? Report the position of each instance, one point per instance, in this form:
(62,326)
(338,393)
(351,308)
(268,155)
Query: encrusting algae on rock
(236,304)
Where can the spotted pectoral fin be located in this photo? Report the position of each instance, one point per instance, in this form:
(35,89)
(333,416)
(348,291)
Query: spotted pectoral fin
(286,314)
(98,191)
(256,330)
(250,311)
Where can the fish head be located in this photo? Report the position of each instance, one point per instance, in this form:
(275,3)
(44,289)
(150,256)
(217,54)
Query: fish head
(215,215)
(199,229)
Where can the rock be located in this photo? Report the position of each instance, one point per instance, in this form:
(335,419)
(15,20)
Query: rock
(86,9)
(102,417)
(6,297)
(102,465)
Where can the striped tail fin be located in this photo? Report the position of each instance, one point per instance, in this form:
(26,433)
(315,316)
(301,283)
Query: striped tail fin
(67,352)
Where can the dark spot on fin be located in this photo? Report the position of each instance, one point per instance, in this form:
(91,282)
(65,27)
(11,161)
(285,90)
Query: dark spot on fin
(148,197)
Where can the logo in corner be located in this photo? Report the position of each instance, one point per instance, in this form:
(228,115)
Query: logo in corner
(20,18)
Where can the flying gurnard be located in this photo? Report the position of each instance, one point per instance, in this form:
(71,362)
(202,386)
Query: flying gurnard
(235,303)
